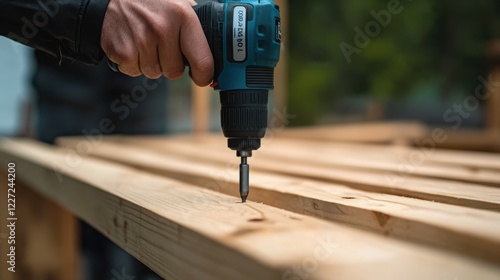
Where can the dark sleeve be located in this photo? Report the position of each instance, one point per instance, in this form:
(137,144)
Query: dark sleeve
(64,28)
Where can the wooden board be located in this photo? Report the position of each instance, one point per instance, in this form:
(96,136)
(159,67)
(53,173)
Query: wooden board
(461,229)
(212,148)
(473,140)
(401,134)
(279,94)
(378,132)
(186,232)
(413,162)
(46,236)
(396,163)
(493,91)
(200,108)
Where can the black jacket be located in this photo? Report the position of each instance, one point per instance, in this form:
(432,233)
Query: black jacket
(64,28)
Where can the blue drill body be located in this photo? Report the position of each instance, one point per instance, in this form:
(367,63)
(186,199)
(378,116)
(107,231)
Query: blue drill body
(258,45)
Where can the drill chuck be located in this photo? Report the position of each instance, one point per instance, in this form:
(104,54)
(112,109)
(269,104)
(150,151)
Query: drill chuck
(244,118)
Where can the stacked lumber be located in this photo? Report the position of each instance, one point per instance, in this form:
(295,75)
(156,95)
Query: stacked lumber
(401,134)
(316,210)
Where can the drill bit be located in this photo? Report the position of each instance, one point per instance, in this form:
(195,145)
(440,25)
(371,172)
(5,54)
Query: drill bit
(244,170)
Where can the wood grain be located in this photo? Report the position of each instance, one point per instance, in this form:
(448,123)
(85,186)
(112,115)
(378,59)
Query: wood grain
(185,232)
(213,149)
(378,132)
(46,236)
(465,230)
(201,108)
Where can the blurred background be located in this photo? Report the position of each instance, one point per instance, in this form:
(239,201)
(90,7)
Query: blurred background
(429,55)
(415,65)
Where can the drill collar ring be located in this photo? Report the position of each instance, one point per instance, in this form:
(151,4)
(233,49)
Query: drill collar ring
(243,153)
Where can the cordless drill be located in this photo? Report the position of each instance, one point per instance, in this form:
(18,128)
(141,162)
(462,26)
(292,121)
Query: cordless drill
(244,37)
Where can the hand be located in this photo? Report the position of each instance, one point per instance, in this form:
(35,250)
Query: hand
(149,37)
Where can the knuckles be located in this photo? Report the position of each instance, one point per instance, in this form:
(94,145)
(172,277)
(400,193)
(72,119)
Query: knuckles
(164,23)
(123,55)
(132,72)
(180,9)
(152,72)
(174,74)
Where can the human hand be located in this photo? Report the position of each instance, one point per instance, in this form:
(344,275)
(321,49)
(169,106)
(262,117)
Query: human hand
(150,36)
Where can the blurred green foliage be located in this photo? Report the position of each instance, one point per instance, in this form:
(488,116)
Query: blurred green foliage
(428,43)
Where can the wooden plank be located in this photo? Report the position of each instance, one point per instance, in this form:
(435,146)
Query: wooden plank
(465,230)
(465,158)
(413,163)
(214,149)
(482,168)
(201,108)
(390,152)
(184,232)
(280,76)
(46,237)
(473,140)
(399,133)
(493,101)
(384,132)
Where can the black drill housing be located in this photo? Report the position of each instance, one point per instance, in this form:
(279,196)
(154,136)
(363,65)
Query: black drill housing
(244,118)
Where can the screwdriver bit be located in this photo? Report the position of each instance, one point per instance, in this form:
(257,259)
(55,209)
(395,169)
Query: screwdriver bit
(244,174)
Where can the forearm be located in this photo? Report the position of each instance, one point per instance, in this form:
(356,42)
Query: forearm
(64,28)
